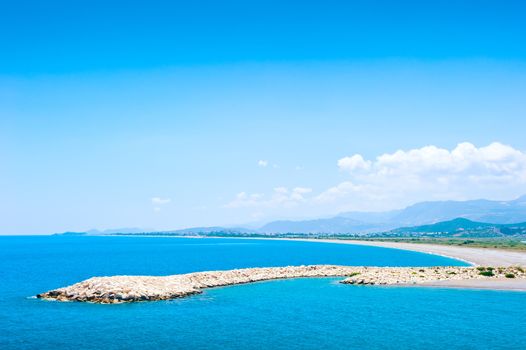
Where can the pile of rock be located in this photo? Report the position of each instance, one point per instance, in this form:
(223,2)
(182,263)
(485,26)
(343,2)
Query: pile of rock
(419,275)
(120,289)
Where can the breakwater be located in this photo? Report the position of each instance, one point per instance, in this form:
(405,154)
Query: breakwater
(121,289)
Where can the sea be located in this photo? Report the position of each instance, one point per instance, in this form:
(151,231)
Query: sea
(309,313)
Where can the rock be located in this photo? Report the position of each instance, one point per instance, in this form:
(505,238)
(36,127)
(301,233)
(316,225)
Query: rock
(120,289)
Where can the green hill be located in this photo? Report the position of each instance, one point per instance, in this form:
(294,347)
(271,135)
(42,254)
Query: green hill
(462,227)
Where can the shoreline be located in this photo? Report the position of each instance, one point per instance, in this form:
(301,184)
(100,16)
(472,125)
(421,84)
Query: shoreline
(470,255)
(365,243)
(473,256)
(122,289)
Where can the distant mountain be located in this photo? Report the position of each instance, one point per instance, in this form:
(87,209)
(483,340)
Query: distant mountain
(500,212)
(210,230)
(96,232)
(425,213)
(363,216)
(187,231)
(70,233)
(118,230)
(339,224)
(462,227)
(458,224)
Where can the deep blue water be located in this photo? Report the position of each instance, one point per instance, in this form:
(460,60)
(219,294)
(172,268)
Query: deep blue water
(301,313)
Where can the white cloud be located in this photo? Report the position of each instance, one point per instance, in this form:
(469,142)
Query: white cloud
(160,201)
(394,180)
(281,197)
(429,173)
(244,199)
(343,189)
(263,163)
(355,162)
(495,161)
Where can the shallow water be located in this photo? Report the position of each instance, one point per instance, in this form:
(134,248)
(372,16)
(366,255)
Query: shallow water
(302,313)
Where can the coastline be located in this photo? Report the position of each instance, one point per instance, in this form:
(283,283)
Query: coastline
(470,255)
(473,256)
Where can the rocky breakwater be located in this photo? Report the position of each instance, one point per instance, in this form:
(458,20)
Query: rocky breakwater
(121,289)
(422,275)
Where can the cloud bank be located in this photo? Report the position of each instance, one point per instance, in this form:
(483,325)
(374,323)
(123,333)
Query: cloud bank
(394,180)
(281,197)
(430,173)
(493,162)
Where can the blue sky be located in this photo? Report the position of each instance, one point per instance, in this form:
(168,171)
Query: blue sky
(165,115)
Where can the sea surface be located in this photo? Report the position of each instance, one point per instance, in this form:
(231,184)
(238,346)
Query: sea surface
(314,313)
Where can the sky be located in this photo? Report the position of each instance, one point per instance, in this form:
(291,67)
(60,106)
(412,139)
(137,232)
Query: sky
(165,115)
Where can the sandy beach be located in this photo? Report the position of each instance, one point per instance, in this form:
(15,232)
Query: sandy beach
(474,256)
(494,284)
(470,255)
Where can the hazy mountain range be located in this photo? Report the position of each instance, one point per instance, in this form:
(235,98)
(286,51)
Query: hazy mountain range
(498,212)
(424,213)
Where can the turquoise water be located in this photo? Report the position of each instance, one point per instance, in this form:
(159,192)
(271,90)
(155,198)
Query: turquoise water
(301,313)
